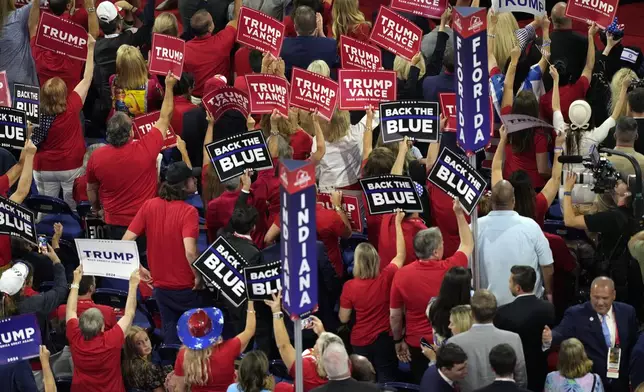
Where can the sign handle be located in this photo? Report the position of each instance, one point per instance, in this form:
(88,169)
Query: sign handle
(475,260)
(299,383)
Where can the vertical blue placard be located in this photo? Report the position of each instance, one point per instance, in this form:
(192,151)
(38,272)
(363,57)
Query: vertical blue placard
(298,238)
(19,338)
(472,88)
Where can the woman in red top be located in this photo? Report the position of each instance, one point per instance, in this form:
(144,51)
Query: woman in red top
(60,141)
(368,294)
(350,21)
(527,202)
(206,362)
(298,139)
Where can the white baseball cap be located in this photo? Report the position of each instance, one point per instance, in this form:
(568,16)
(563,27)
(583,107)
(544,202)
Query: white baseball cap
(579,114)
(107,11)
(13,279)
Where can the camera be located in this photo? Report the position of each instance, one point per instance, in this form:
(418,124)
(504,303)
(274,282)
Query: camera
(603,172)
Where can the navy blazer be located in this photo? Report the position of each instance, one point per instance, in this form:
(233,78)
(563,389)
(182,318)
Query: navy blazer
(637,362)
(432,381)
(582,322)
(433,86)
(303,50)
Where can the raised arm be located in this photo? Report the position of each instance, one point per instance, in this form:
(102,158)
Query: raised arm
(435,61)
(233,22)
(34,18)
(571,219)
(508,85)
(367,136)
(464,232)
(181,146)
(434,148)
(282,341)
(491,42)
(336,201)
(249,331)
(167,107)
(83,86)
(92,19)
(590,54)
(499,156)
(545,45)
(399,164)
(621,101)
(556,102)
(401,250)
(320,144)
(26,177)
(72,299)
(551,188)
(130,304)
(208,139)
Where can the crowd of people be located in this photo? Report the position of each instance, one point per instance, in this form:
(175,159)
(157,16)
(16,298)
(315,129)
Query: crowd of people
(543,293)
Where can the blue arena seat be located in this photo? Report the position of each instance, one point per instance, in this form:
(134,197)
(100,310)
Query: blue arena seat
(399,387)
(348,247)
(56,210)
(110,297)
(278,369)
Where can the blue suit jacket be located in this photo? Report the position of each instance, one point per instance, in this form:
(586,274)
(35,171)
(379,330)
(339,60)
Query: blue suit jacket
(582,322)
(302,51)
(432,381)
(637,362)
(433,86)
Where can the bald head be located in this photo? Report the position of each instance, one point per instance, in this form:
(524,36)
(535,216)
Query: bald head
(559,18)
(336,362)
(362,369)
(602,294)
(603,282)
(503,196)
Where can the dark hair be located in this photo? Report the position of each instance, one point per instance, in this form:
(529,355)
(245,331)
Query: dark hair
(483,304)
(503,359)
(448,59)
(636,100)
(200,22)
(448,355)
(379,162)
(525,276)
(172,192)
(525,103)
(243,219)
(562,69)
(454,291)
(184,84)
(85,284)
(524,195)
(316,5)
(626,130)
(110,27)
(255,60)
(253,371)
(58,7)
(118,131)
(304,20)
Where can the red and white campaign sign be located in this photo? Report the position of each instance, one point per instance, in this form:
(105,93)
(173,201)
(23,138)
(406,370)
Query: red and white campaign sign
(313,92)
(426,8)
(448,108)
(224,99)
(144,124)
(356,54)
(268,92)
(601,12)
(396,34)
(259,31)
(62,36)
(5,94)
(360,88)
(167,54)
(351,205)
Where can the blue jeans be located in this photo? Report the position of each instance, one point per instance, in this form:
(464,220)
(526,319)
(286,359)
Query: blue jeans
(172,304)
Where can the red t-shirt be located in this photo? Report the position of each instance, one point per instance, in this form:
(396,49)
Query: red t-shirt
(440,204)
(5,240)
(50,64)
(360,32)
(204,62)
(222,366)
(127,176)
(242,62)
(387,240)
(414,285)
(109,315)
(370,299)
(301,143)
(268,181)
(97,362)
(165,225)
(567,95)
(181,106)
(79,191)
(64,147)
(219,212)
(526,160)
(541,208)
(311,377)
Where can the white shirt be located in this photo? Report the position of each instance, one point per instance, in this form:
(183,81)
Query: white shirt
(505,239)
(447,380)
(611,322)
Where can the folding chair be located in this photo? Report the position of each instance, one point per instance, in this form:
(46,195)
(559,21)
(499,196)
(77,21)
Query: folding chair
(55,210)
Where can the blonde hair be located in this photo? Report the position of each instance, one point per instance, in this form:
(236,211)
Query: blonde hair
(53,97)
(196,365)
(338,126)
(573,361)
(319,67)
(132,363)
(131,70)
(402,66)
(367,261)
(505,39)
(325,339)
(616,88)
(285,127)
(166,23)
(346,16)
(461,316)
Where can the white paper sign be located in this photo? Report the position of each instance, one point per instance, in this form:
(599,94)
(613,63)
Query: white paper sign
(108,258)
(534,7)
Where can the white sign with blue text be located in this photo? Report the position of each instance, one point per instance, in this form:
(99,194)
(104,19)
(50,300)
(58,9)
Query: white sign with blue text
(534,7)
(108,258)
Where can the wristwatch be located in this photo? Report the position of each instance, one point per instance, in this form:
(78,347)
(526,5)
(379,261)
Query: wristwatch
(90,10)
(278,315)
(338,208)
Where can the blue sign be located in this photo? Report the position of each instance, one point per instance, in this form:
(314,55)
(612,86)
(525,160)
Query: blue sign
(472,89)
(298,238)
(19,338)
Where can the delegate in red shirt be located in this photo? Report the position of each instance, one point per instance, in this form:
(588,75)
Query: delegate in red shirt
(386,245)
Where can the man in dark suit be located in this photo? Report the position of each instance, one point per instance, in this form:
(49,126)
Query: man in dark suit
(449,369)
(527,315)
(600,324)
(503,359)
(308,46)
(336,365)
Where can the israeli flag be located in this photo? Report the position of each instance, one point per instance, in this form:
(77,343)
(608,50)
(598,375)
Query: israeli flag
(629,55)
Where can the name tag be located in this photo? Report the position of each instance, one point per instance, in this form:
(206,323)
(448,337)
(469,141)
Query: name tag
(614,357)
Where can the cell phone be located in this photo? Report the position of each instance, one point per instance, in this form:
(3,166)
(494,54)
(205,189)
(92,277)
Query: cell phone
(42,243)
(425,343)
(307,323)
